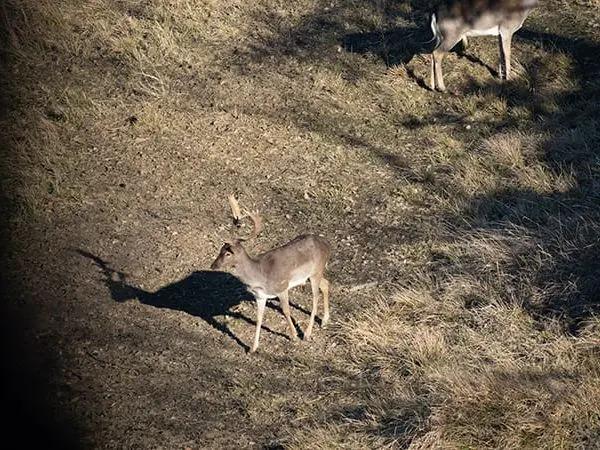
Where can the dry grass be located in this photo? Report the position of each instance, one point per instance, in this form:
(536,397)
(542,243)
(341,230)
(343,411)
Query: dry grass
(465,226)
(488,377)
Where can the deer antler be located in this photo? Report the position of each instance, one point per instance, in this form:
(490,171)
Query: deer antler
(235,208)
(257,224)
(237,216)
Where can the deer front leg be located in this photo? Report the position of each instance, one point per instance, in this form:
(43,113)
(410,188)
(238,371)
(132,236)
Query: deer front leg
(261,303)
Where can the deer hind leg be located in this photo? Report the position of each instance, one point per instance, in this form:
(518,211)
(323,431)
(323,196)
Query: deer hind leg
(504,43)
(285,306)
(437,78)
(324,286)
(260,312)
(432,73)
(315,282)
(437,56)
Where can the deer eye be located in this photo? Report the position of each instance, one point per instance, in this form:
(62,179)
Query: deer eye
(228,253)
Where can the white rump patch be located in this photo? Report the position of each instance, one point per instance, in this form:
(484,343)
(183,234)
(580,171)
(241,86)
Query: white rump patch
(494,31)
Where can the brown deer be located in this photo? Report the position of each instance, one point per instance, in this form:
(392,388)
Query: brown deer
(273,273)
(454,20)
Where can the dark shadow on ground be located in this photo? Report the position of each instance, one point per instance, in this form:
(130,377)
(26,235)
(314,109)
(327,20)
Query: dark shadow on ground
(28,384)
(394,47)
(205,294)
(321,35)
(397,46)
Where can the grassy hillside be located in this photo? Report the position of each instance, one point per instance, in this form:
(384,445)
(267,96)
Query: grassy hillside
(465,226)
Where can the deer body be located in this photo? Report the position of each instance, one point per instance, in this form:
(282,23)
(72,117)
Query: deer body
(273,273)
(281,269)
(455,20)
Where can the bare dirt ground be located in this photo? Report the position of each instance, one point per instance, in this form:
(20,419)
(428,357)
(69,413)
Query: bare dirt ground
(464,276)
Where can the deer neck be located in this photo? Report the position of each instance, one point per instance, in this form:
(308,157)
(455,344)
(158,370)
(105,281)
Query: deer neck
(248,270)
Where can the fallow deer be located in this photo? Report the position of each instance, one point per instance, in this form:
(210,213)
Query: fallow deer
(454,20)
(273,273)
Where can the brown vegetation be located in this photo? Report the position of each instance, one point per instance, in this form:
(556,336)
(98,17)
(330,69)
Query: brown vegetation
(464,273)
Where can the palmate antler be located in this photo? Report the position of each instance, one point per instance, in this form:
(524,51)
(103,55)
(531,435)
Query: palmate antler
(256,224)
(237,216)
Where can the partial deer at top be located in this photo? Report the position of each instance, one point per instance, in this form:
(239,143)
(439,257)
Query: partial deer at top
(273,273)
(454,20)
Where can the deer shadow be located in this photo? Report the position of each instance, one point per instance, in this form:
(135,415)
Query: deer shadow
(206,294)
(396,46)
(400,45)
